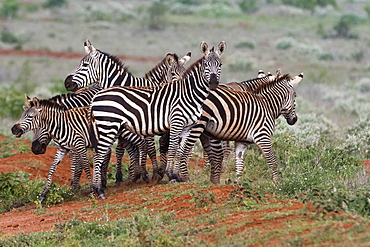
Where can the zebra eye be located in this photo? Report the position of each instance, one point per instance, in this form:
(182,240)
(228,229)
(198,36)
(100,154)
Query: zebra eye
(85,64)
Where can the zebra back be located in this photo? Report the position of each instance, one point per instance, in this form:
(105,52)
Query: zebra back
(108,70)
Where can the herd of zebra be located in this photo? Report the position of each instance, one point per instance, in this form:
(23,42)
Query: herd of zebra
(182,105)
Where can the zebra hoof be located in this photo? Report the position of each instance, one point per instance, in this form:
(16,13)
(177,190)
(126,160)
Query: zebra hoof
(156,178)
(102,197)
(42,198)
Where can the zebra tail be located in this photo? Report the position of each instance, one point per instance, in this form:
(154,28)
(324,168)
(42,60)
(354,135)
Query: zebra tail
(93,133)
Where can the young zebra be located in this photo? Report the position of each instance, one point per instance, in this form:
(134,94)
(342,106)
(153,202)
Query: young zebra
(173,107)
(243,117)
(108,71)
(61,124)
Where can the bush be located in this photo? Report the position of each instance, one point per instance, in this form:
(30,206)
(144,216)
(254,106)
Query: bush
(55,3)
(284,43)
(9,8)
(157,15)
(246,43)
(248,6)
(309,4)
(343,26)
(241,65)
(8,37)
(325,56)
(12,101)
(17,190)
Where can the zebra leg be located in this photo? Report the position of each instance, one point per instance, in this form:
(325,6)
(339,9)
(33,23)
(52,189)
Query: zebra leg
(163,147)
(76,168)
(152,153)
(134,167)
(265,146)
(227,151)
(104,172)
(239,160)
(186,149)
(120,150)
(214,150)
(174,144)
(57,159)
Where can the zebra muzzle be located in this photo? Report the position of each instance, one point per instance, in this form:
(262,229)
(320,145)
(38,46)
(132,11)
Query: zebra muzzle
(292,121)
(17,131)
(38,148)
(213,81)
(69,84)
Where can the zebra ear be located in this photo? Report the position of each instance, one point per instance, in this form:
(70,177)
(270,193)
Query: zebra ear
(204,48)
(169,59)
(28,100)
(185,58)
(36,102)
(221,48)
(89,48)
(296,79)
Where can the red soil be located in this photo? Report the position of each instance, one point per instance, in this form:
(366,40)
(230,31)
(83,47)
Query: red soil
(25,219)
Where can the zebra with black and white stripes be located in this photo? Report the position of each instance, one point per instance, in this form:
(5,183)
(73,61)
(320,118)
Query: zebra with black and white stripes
(108,71)
(172,107)
(61,124)
(243,117)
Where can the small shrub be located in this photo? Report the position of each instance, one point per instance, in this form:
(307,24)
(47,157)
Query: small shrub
(248,6)
(241,65)
(218,10)
(325,57)
(12,101)
(9,8)
(157,15)
(358,56)
(246,44)
(343,27)
(367,10)
(8,37)
(17,190)
(55,3)
(284,43)
(309,4)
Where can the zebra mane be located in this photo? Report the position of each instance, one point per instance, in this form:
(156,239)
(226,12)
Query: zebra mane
(117,61)
(50,104)
(191,67)
(272,83)
(159,65)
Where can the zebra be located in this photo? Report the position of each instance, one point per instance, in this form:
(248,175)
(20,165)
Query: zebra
(248,85)
(60,124)
(244,117)
(83,97)
(108,70)
(173,107)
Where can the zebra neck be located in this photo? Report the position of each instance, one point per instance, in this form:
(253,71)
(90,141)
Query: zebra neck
(253,84)
(273,102)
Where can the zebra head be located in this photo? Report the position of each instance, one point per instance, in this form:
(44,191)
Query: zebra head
(29,120)
(176,66)
(212,63)
(288,110)
(40,141)
(87,72)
